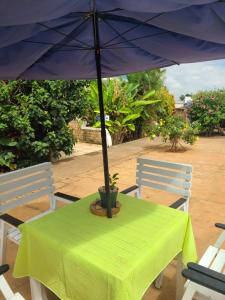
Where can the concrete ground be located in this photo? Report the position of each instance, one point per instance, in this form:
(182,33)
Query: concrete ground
(80,176)
(81,148)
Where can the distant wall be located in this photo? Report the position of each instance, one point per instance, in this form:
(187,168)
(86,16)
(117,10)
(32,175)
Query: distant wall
(181,112)
(86,134)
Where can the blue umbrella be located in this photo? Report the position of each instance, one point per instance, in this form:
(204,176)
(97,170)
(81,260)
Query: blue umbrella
(87,39)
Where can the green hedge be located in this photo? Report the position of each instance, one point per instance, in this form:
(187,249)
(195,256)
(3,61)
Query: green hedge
(34,117)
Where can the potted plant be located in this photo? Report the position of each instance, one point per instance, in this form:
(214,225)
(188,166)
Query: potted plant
(113,191)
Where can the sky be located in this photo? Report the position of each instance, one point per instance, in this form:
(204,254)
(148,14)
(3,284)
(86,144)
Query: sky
(190,78)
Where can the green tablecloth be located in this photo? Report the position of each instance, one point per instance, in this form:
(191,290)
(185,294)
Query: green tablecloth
(80,256)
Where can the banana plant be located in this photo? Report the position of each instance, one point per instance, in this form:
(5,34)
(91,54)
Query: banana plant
(122,106)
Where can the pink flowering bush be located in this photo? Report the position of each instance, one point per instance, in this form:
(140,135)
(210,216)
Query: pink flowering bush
(208,109)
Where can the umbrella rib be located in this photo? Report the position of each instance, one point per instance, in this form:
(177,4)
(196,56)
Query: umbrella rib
(53,44)
(90,49)
(67,35)
(134,27)
(47,50)
(138,38)
(110,25)
(126,47)
(36,60)
(116,31)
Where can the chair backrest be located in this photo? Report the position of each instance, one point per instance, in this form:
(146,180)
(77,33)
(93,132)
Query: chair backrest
(24,185)
(164,176)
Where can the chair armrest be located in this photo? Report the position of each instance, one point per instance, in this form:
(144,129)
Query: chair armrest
(178,203)
(11,220)
(3,269)
(129,189)
(220,225)
(205,277)
(66,197)
(206,271)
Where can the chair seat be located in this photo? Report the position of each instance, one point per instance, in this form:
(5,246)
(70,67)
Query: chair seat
(214,259)
(14,235)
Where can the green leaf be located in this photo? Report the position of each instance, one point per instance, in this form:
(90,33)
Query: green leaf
(131,127)
(108,123)
(97,124)
(149,94)
(138,103)
(7,142)
(124,110)
(115,175)
(131,117)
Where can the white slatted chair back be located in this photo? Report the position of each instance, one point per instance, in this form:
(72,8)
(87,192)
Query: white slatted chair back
(165,176)
(24,185)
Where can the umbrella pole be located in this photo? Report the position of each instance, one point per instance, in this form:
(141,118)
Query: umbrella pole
(102,113)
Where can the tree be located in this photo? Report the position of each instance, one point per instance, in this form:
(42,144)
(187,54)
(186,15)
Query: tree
(147,80)
(34,117)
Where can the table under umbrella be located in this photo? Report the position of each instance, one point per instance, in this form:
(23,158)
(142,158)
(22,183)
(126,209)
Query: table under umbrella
(80,256)
(89,39)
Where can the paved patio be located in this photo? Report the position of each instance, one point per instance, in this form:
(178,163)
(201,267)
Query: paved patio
(80,176)
(81,149)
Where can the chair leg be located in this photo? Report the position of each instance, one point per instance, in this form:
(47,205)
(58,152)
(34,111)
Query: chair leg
(53,202)
(186,206)
(179,278)
(5,288)
(159,280)
(138,193)
(3,244)
(38,291)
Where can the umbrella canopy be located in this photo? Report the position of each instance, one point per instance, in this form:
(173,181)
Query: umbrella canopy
(53,39)
(87,39)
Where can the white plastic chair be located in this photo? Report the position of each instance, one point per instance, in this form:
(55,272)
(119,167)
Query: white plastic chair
(5,289)
(164,176)
(20,187)
(207,278)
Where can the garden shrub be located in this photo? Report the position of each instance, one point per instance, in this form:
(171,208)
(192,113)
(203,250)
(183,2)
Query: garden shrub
(175,129)
(208,109)
(34,117)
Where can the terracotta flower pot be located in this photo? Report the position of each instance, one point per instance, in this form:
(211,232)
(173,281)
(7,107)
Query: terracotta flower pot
(113,196)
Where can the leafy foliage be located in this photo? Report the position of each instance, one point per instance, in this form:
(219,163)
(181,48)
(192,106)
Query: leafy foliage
(166,107)
(147,80)
(208,109)
(152,80)
(175,129)
(113,180)
(122,105)
(34,117)
(6,155)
